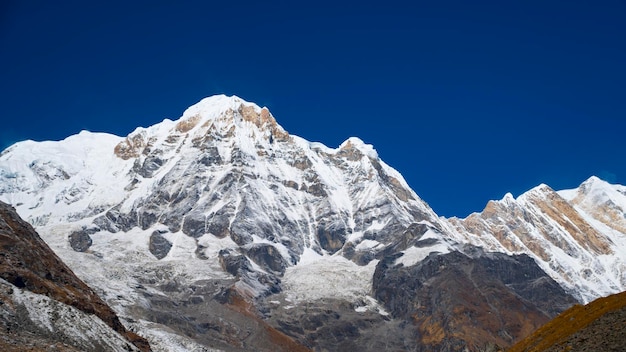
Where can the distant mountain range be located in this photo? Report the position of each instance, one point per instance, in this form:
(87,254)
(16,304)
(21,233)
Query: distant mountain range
(222,231)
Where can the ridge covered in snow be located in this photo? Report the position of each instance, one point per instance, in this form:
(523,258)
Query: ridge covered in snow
(577,236)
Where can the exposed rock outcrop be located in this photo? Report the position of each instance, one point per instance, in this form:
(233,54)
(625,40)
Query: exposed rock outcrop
(159,245)
(455,300)
(80,240)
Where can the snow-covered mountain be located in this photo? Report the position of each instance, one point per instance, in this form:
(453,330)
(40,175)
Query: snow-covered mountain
(577,236)
(224,211)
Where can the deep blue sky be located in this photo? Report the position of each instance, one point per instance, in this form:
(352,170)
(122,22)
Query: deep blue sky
(467,99)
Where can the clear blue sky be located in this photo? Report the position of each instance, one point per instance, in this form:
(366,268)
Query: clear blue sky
(467,99)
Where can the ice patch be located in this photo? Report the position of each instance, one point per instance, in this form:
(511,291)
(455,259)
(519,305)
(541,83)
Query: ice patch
(327,277)
(367,244)
(414,255)
(371,304)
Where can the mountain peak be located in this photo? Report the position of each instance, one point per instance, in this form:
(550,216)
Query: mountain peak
(214,106)
(592,183)
(357,143)
(508,198)
(225,108)
(541,191)
(217,117)
(593,179)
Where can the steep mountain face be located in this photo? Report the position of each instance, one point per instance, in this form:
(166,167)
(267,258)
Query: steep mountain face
(44,303)
(221,230)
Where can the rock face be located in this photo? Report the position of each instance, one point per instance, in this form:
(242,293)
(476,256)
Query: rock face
(80,240)
(44,301)
(159,245)
(335,325)
(188,228)
(452,298)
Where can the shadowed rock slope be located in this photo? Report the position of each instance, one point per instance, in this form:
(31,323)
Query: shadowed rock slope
(469,302)
(597,326)
(473,301)
(28,266)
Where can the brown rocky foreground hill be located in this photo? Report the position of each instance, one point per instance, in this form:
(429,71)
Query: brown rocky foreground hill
(28,265)
(597,326)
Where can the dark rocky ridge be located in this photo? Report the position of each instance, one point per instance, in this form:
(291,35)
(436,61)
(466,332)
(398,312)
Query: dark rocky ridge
(28,263)
(334,325)
(458,301)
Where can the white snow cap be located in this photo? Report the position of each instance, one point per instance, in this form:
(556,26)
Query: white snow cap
(508,198)
(592,183)
(357,143)
(216,104)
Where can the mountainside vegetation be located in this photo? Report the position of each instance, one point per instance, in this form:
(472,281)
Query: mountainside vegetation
(597,326)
